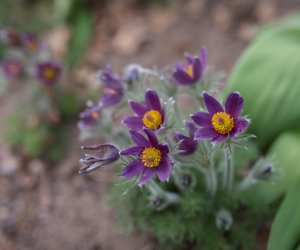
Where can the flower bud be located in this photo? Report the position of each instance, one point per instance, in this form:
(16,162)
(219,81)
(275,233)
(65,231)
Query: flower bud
(102,154)
(185,180)
(224,219)
(263,171)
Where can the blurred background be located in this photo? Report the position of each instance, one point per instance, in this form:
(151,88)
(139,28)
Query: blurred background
(44,203)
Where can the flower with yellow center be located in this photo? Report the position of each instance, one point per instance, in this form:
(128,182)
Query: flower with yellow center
(222,122)
(152,119)
(189,70)
(151,157)
(49,73)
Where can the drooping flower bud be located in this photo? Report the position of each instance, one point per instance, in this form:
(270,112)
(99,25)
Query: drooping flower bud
(223,219)
(102,154)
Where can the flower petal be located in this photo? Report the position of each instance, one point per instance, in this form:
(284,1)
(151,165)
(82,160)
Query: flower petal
(240,125)
(138,108)
(203,56)
(133,122)
(213,106)
(206,133)
(151,136)
(139,139)
(220,138)
(134,168)
(182,77)
(165,169)
(147,175)
(234,105)
(134,150)
(202,119)
(152,100)
(197,69)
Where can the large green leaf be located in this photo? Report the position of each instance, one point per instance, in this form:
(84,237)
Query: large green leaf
(285,231)
(267,75)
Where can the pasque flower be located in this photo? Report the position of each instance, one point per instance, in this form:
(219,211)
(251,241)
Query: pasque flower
(219,123)
(187,144)
(191,72)
(152,158)
(48,72)
(113,90)
(89,116)
(12,68)
(30,42)
(151,115)
(100,155)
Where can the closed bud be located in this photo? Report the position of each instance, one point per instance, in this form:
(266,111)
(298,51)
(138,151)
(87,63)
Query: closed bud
(263,170)
(185,180)
(224,219)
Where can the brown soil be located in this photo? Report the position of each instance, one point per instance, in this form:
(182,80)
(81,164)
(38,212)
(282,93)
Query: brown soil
(55,208)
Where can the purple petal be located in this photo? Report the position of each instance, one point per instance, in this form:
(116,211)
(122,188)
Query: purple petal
(133,122)
(189,58)
(203,56)
(188,146)
(152,137)
(138,108)
(206,133)
(134,168)
(134,150)
(163,148)
(179,137)
(182,77)
(152,100)
(220,138)
(240,125)
(213,106)
(197,69)
(202,119)
(165,169)
(147,175)
(191,126)
(234,105)
(139,139)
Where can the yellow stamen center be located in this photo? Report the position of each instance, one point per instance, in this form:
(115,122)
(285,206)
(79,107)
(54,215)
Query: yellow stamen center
(151,157)
(31,46)
(152,119)
(222,122)
(95,115)
(49,73)
(189,70)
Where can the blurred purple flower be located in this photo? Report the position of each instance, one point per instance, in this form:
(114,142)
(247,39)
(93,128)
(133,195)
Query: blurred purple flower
(89,116)
(218,124)
(152,158)
(113,90)
(12,68)
(102,154)
(30,42)
(10,37)
(191,72)
(187,144)
(150,116)
(48,72)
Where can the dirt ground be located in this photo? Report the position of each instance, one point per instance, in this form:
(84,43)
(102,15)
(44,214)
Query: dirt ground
(54,207)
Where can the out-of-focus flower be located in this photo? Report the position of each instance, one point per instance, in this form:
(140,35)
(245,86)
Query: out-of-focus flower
(224,219)
(10,37)
(152,158)
(187,144)
(89,116)
(191,72)
(219,124)
(12,68)
(113,90)
(132,73)
(101,155)
(150,116)
(48,72)
(30,42)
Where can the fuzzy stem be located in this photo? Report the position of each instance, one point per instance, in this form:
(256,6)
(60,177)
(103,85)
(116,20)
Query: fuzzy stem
(230,170)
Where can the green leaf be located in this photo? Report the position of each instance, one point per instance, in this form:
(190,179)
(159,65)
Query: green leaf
(81,34)
(267,76)
(285,230)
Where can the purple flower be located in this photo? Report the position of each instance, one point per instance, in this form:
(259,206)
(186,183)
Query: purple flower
(12,68)
(187,144)
(152,158)
(102,154)
(150,116)
(190,73)
(30,42)
(113,90)
(48,72)
(89,116)
(10,37)
(218,124)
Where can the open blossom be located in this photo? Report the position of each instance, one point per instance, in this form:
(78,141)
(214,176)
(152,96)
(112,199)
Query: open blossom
(89,116)
(187,144)
(12,68)
(30,42)
(151,115)
(191,72)
(113,90)
(152,158)
(219,123)
(48,72)
(100,155)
